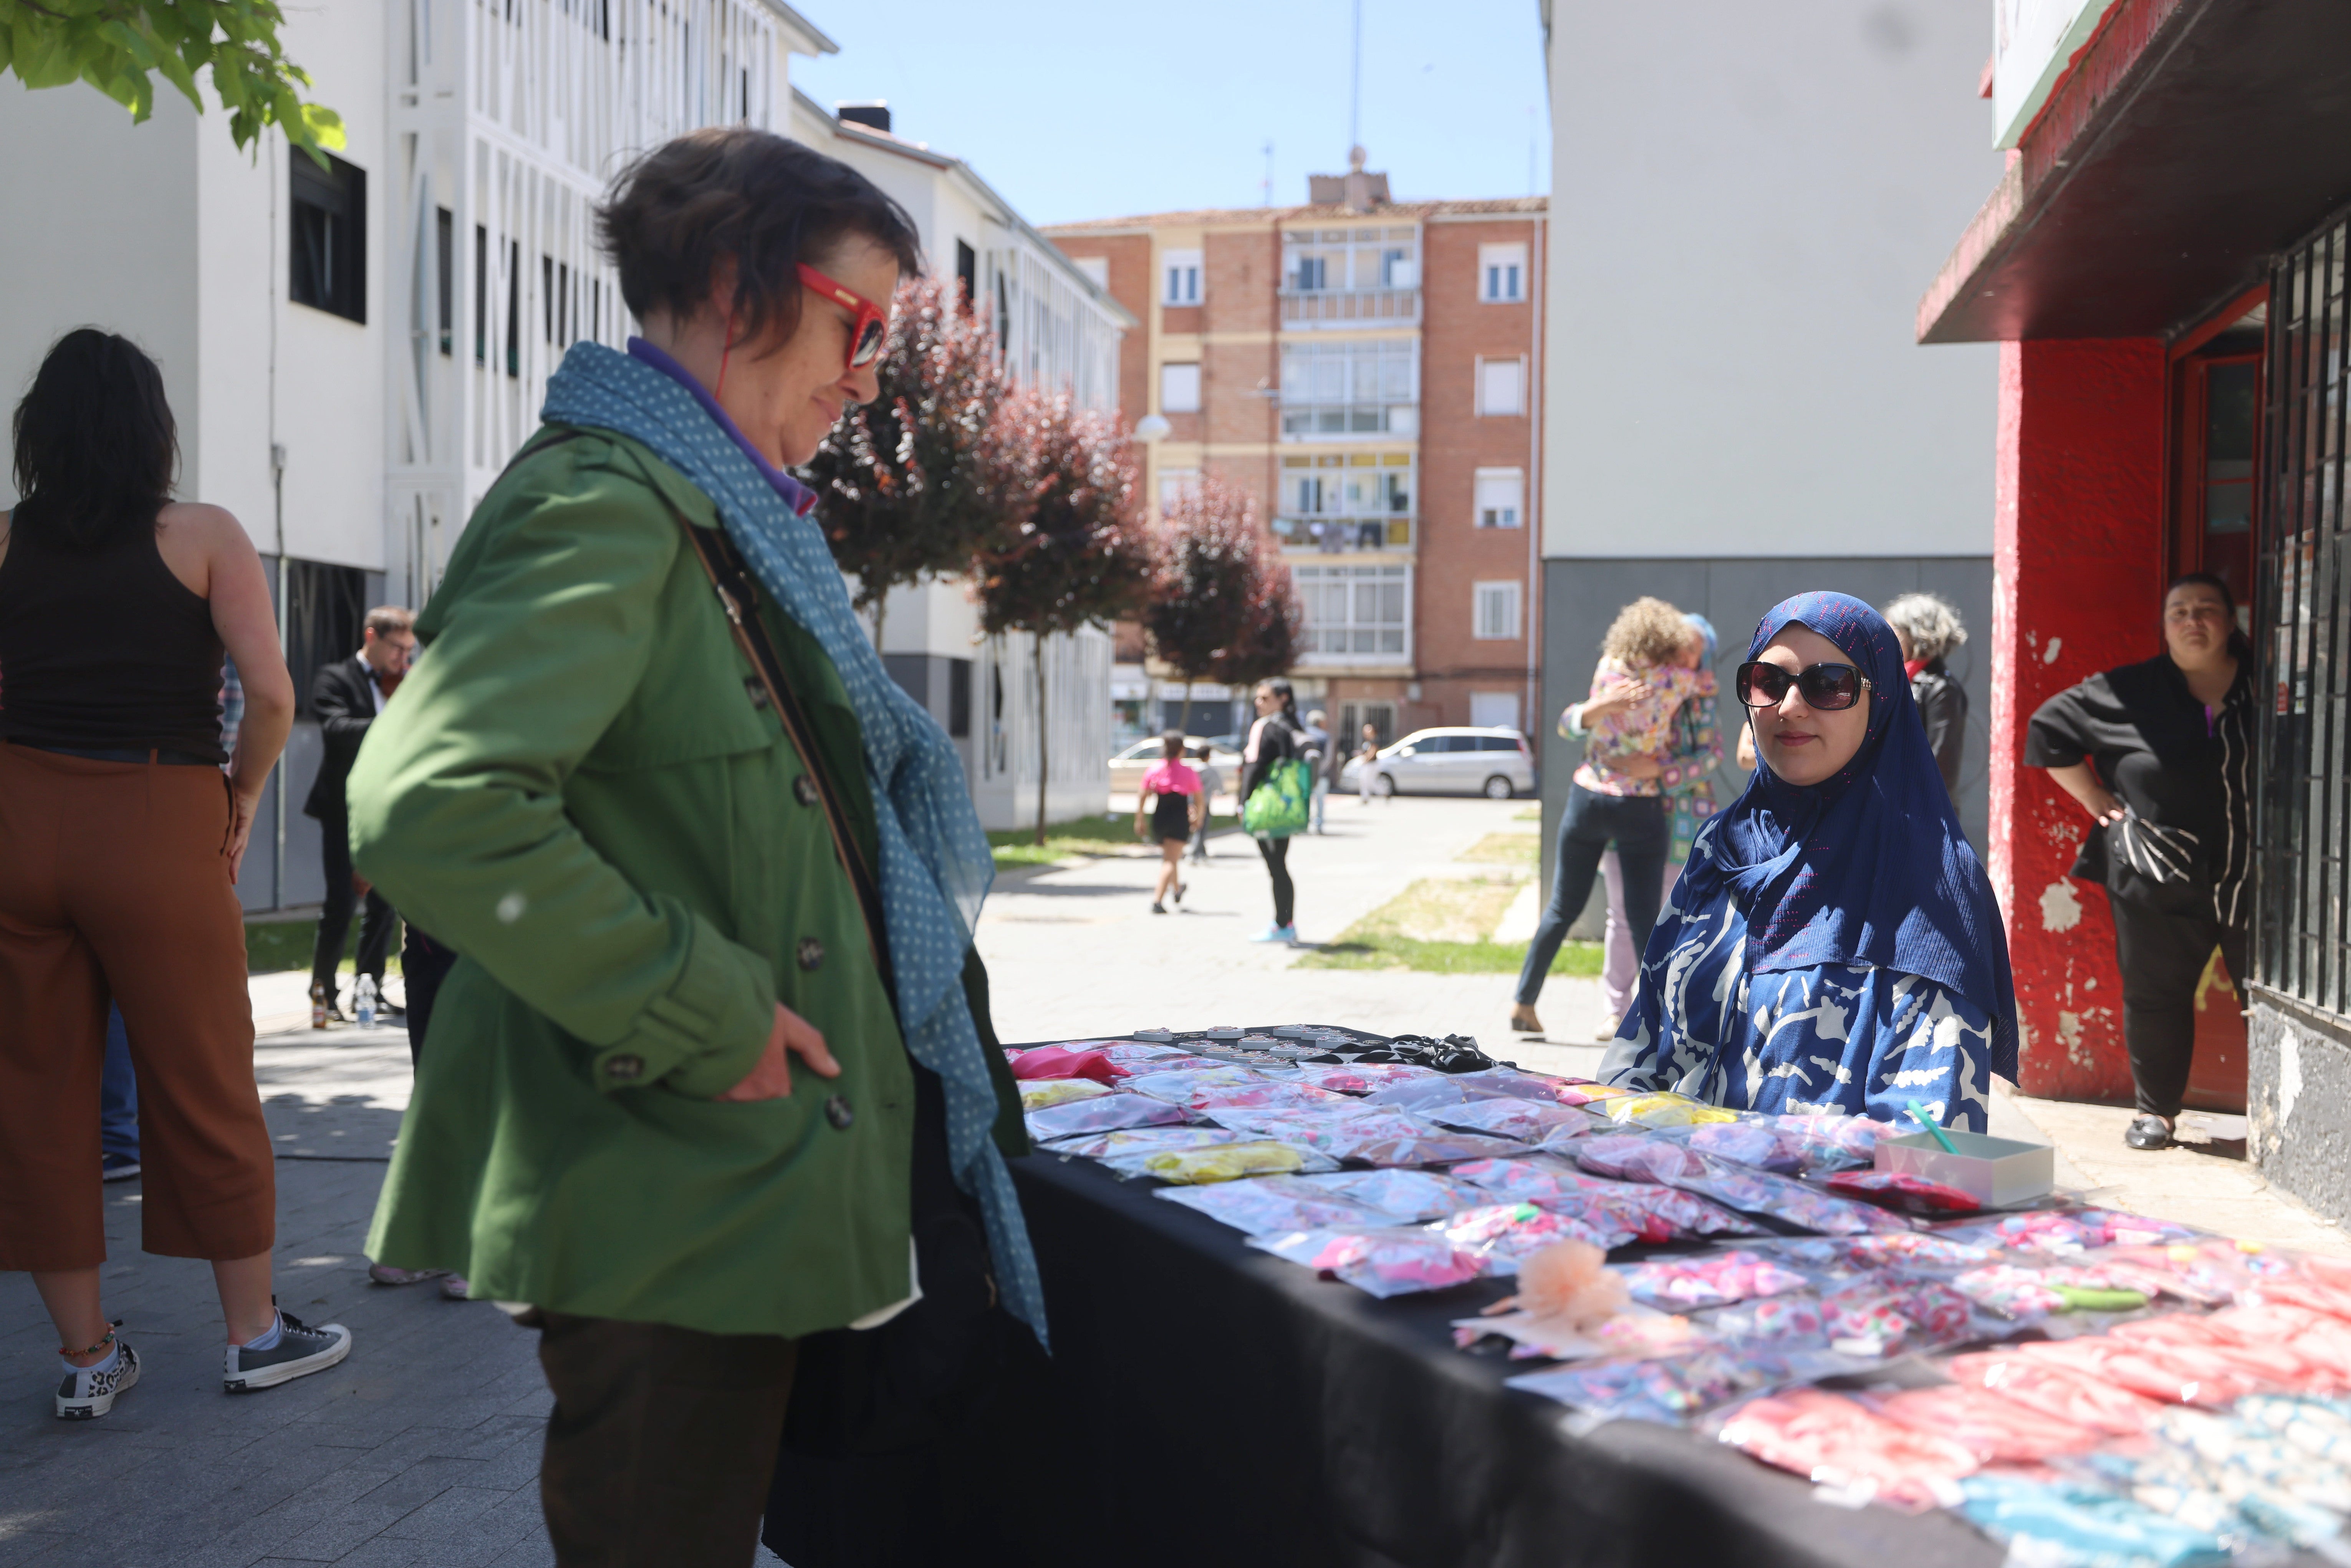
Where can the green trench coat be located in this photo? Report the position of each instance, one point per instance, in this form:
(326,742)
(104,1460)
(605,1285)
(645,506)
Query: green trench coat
(575,790)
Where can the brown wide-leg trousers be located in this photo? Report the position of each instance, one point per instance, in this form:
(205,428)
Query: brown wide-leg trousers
(112,879)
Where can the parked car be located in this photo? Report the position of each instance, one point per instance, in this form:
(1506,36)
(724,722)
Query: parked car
(1127,767)
(1495,763)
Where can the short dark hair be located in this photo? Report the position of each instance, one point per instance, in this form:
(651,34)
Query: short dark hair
(731,191)
(1171,744)
(2240,645)
(96,445)
(386,618)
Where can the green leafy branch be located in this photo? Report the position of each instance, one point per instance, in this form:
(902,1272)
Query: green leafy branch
(119,47)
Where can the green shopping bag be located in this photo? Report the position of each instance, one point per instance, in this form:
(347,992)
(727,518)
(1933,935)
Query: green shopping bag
(1278,808)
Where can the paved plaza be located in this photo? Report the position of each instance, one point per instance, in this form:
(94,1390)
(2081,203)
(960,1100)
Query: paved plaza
(422,1447)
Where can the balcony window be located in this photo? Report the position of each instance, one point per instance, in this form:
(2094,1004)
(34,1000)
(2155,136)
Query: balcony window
(1355,501)
(1350,389)
(1354,613)
(1499,496)
(1354,275)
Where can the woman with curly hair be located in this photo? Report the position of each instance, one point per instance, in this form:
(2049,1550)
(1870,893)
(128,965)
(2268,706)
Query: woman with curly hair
(1617,798)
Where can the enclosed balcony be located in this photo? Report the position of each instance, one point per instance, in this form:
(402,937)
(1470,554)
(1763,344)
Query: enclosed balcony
(1346,503)
(1366,275)
(1339,391)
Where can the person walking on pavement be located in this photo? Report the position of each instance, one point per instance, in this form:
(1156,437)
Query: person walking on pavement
(1171,793)
(1615,798)
(1367,757)
(1930,630)
(712,1081)
(1273,739)
(347,695)
(1212,784)
(2160,754)
(1321,752)
(119,845)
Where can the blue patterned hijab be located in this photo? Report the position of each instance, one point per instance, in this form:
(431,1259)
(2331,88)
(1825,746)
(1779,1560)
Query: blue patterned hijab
(935,863)
(1870,866)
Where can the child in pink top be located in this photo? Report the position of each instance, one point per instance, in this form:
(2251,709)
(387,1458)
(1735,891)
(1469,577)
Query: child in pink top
(1171,793)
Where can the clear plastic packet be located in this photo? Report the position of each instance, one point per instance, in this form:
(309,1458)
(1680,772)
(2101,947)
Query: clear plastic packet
(1537,1086)
(1364,1077)
(1880,1314)
(2020,1295)
(1261,1094)
(2214,1470)
(1789,1319)
(1632,1157)
(2321,1340)
(2280,1368)
(2057,1522)
(2168,1373)
(1685,1214)
(1272,1205)
(1833,1142)
(1139,1140)
(1839,1256)
(1223,1162)
(1996,1431)
(1065,1062)
(1502,1234)
(1103,1113)
(1577,1092)
(1529,1179)
(1670,1164)
(1708,1279)
(1902,1190)
(1178,1087)
(1835,1440)
(1381,1261)
(1528,1121)
(1651,1213)
(2207,1273)
(1431,1147)
(2065,1392)
(1664,1110)
(1134,1053)
(1403,1196)
(1043,1093)
(1421,1094)
(1756,1144)
(1672,1391)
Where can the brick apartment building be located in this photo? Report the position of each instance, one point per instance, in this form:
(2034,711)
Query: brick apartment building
(1367,370)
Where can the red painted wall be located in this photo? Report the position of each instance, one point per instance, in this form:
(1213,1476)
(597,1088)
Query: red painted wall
(2078,573)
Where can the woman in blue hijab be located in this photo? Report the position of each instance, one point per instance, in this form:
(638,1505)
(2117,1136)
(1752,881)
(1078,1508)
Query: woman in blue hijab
(1833,944)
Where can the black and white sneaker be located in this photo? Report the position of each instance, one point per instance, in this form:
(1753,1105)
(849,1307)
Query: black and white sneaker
(300,1351)
(89,1391)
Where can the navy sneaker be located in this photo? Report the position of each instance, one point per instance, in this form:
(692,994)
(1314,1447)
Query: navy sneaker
(88,1393)
(300,1351)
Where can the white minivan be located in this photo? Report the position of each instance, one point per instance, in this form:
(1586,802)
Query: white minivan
(1495,763)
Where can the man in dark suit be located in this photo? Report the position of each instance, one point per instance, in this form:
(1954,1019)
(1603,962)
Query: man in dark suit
(346,697)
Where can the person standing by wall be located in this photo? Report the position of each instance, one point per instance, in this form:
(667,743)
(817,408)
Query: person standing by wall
(347,695)
(119,845)
(1616,800)
(1322,753)
(715,978)
(1178,809)
(1930,630)
(1367,761)
(1273,739)
(2159,753)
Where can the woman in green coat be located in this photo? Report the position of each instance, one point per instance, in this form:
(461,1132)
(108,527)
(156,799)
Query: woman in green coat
(717,1046)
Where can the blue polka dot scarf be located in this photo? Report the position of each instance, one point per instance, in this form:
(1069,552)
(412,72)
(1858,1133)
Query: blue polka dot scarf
(935,864)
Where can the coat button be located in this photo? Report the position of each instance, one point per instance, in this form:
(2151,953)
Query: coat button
(757,690)
(837,1112)
(804,789)
(810,953)
(625,1069)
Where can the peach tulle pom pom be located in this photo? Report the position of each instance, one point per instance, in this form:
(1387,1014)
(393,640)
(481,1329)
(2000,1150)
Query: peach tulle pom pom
(1566,1282)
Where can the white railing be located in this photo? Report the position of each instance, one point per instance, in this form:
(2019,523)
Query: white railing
(1350,308)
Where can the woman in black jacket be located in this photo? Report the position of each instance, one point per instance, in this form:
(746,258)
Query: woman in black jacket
(2171,741)
(1929,629)
(1274,739)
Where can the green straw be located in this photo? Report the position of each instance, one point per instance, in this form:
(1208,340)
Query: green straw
(1918,1115)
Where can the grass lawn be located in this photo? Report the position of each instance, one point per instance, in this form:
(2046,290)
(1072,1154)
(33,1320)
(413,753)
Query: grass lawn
(1522,850)
(1439,926)
(271,946)
(1097,835)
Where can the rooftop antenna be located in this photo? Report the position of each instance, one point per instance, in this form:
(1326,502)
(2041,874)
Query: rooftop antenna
(1355,84)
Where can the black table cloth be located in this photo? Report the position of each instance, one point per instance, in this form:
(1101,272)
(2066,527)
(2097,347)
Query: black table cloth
(1210,1404)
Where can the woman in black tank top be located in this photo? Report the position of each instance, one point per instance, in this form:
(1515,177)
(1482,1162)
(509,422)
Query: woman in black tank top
(120,837)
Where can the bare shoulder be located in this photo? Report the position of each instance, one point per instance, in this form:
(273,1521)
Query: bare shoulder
(201,520)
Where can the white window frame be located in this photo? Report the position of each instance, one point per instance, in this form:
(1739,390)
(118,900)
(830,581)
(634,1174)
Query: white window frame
(1179,277)
(1363,632)
(1485,404)
(1179,386)
(1094,269)
(1501,274)
(1496,610)
(1485,495)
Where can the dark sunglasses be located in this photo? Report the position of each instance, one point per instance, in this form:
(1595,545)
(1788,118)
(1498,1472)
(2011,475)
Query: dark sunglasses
(872,322)
(1828,688)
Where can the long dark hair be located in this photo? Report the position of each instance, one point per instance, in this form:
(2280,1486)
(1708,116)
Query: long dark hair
(1279,686)
(96,446)
(2240,647)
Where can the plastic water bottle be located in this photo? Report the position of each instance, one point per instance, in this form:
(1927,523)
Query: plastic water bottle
(364,1002)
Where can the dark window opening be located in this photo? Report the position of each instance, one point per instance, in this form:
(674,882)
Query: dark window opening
(328,270)
(513,307)
(1003,315)
(481,294)
(959,699)
(444,240)
(555,290)
(326,606)
(968,274)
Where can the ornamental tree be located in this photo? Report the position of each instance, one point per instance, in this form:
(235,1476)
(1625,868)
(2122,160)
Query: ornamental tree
(915,484)
(119,47)
(1272,626)
(1211,546)
(1080,554)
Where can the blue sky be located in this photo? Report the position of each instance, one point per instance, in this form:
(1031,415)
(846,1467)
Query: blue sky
(1091,109)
